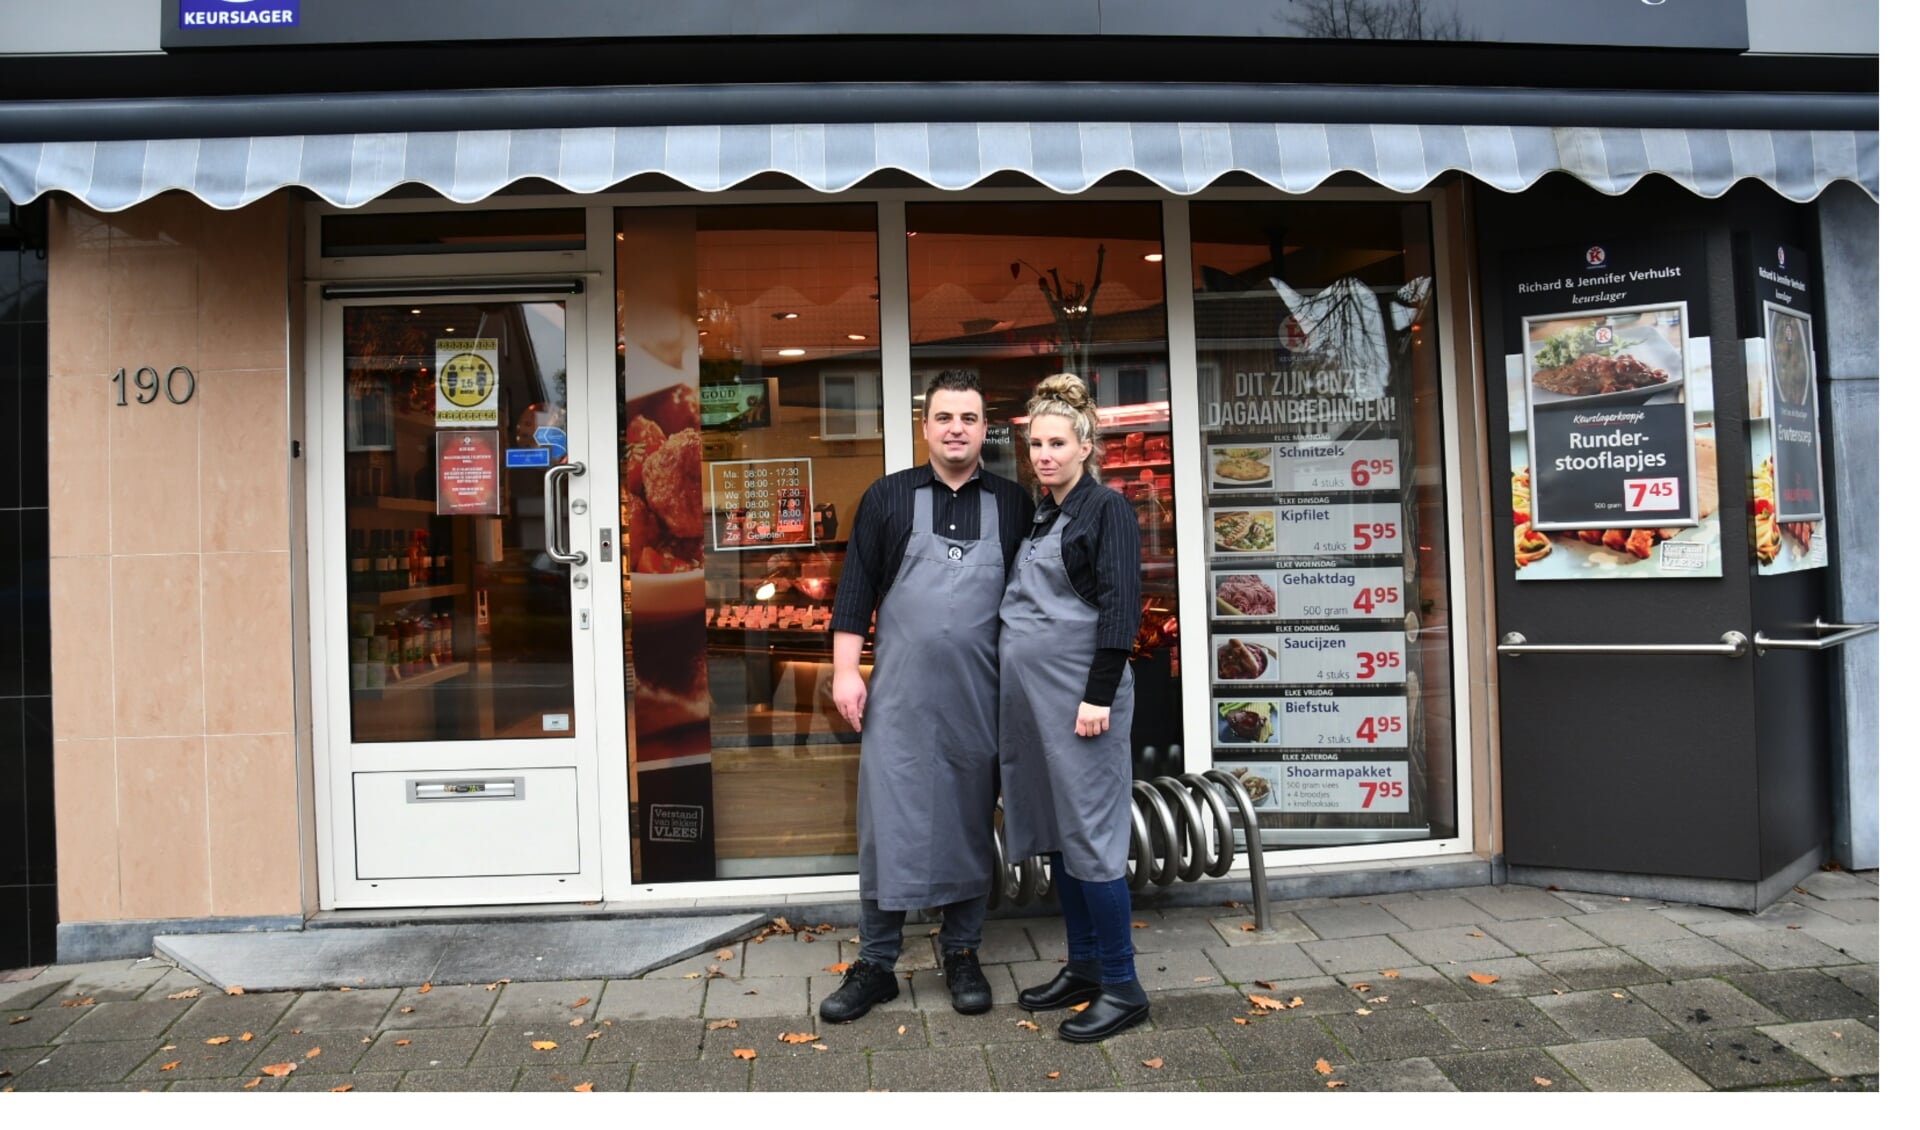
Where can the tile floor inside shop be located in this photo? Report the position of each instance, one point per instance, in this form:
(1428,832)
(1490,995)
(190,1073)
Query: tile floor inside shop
(1490,988)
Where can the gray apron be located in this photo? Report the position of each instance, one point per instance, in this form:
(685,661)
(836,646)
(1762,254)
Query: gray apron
(1061,792)
(930,729)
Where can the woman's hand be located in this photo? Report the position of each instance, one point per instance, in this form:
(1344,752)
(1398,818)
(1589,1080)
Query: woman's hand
(1093,720)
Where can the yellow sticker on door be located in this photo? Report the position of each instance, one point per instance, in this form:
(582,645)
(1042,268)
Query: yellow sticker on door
(467,384)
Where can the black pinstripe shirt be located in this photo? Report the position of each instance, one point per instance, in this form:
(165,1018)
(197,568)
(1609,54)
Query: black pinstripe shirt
(878,542)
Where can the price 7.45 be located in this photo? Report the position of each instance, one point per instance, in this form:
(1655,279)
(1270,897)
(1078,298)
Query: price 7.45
(1383,790)
(1366,533)
(1374,662)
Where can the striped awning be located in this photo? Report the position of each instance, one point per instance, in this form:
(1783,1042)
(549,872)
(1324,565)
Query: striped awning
(1181,157)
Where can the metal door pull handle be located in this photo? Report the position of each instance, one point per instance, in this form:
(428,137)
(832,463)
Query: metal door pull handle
(1841,633)
(556,516)
(1732,645)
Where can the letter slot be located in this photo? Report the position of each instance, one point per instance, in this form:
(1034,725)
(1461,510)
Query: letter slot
(470,788)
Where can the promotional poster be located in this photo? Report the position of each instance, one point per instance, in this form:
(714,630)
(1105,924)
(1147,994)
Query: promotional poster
(1783,409)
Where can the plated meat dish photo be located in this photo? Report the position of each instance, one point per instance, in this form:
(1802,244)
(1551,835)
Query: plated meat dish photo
(1244,594)
(1246,531)
(1239,659)
(1594,374)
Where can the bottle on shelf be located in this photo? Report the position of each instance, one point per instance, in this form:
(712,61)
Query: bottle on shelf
(418,561)
(442,559)
(357,562)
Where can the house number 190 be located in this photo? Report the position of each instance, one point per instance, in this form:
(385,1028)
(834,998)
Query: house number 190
(148,385)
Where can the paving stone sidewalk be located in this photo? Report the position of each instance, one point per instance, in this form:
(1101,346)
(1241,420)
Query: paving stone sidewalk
(1478,989)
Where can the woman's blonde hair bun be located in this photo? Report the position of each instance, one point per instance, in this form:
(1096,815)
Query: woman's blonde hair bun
(1064,387)
(1065,394)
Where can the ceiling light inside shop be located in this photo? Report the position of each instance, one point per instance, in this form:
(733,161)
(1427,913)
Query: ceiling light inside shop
(793,353)
(415,310)
(1153,256)
(450,329)
(785,316)
(856,337)
(764,592)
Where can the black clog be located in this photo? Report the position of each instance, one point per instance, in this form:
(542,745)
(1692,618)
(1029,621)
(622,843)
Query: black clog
(1106,1016)
(1065,990)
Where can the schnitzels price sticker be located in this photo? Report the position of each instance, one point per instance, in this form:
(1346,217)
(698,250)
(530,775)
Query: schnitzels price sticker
(1343,657)
(1302,467)
(1343,786)
(1327,721)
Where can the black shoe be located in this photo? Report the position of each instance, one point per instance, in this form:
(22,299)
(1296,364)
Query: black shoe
(966,984)
(866,985)
(1107,1015)
(1067,988)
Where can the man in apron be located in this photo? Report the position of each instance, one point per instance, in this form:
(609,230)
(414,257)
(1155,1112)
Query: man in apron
(930,548)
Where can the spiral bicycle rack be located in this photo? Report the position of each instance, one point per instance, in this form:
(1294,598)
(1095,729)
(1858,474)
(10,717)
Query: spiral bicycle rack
(1183,829)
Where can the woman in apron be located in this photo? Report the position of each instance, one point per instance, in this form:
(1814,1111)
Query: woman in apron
(1067,623)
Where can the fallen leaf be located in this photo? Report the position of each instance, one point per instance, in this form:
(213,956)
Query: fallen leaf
(1295,1003)
(81,1002)
(1027,1024)
(900,1031)
(544,1045)
(584,1087)
(780,926)
(246,1037)
(824,928)
(1323,1067)
(406,1008)
(252,1083)
(1248,927)
(1377,1000)
(1475,934)
(1333,1083)
(183,995)
(311,1052)
(1139,925)
(1835,1035)
(1232,905)
(1359,986)
(236,991)
(1265,984)
(745,1053)
(840,967)
(278,1070)
(216,1041)
(1265,1002)
(1239,1020)
(19,1019)
(294,1031)
(401,1043)
(756,992)
(725,955)
(691,976)
(593,1035)
(1483,978)
(1543,1080)
(818,1047)
(1081,1007)
(1201,980)
(1053,1075)
(366,1039)
(807,938)
(346,988)
(1389,973)
(1792,927)
(168,1047)
(576,1022)
(716,1025)
(1619,996)
(426,988)
(798,1037)
(492,985)
(581,1001)
(934,933)
(1156,1063)
(606,1024)
(341,1087)
(169,1066)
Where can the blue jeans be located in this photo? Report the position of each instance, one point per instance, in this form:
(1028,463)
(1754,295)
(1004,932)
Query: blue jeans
(1099,919)
(960,927)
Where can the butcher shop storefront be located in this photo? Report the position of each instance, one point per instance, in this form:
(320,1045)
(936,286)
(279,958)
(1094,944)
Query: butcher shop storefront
(511,474)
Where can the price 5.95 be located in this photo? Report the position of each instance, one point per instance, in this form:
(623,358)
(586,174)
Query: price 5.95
(1366,533)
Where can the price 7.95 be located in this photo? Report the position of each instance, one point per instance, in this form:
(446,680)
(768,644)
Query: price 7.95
(1380,790)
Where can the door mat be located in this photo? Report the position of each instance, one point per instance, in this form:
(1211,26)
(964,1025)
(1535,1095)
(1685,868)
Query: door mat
(452,954)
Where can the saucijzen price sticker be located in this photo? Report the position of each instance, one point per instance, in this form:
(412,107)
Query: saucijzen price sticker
(1346,657)
(1373,722)
(1364,464)
(1652,494)
(1343,786)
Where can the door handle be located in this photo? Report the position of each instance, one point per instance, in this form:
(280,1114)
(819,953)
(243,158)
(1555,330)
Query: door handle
(1732,645)
(1841,634)
(556,516)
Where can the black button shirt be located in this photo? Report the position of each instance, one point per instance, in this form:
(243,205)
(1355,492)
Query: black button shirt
(1101,553)
(884,521)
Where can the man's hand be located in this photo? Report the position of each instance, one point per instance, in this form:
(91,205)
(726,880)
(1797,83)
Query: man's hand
(850,695)
(1092,722)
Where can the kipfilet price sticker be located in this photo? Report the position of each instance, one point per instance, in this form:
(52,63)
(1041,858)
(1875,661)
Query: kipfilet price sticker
(1307,528)
(1346,657)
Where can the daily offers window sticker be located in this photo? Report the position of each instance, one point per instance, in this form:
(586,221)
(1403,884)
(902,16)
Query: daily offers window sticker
(1783,406)
(466,386)
(1610,414)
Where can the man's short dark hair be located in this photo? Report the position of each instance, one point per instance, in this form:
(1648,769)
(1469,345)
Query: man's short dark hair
(955,380)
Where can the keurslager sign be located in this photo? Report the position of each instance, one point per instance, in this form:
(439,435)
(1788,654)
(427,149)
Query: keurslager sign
(195,14)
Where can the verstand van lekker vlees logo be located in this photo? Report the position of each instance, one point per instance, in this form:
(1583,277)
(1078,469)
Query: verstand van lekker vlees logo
(197,15)
(1596,257)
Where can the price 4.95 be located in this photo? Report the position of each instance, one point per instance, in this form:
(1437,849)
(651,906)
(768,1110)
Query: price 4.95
(1372,729)
(1374,662)
(1368,599)
(1380,790)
